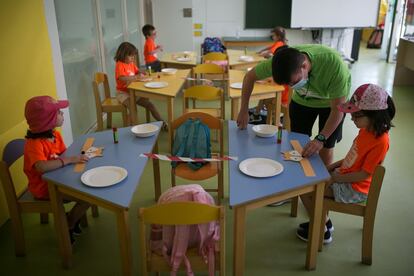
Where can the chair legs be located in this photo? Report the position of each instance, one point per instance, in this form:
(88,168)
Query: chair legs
(108,119)
(125,118)
(44,218)
(18,234)
(99,122)
(147,115)
(367,235)
(95,211)
(84,221)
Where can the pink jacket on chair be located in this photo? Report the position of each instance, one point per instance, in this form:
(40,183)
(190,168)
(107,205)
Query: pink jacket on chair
(172,241)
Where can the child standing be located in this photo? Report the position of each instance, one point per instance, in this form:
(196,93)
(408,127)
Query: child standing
(126,71)
(151,49)
(371,111)
(42,151)
(279,38)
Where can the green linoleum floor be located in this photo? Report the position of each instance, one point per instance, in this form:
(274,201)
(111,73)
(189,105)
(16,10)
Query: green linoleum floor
(272,247)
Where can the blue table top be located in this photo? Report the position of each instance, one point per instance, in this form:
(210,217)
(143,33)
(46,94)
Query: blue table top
(124,154)
(245,144)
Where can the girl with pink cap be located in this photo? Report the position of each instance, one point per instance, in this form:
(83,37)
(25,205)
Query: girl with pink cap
(372,111)
(42,151)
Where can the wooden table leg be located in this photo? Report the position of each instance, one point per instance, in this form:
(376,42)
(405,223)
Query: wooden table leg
(235,103)
(170,108)
(133,116)
(239,240)
(61,225)
(124,236)
(156,171)
(314,227)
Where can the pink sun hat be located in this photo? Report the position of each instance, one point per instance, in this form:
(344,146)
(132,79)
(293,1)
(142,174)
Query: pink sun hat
(41,113)
(366,97)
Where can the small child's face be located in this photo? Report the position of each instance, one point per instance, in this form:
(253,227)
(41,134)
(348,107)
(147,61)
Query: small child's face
(360,120)
(153,34)
(59,119)
(275,37)
(130,59)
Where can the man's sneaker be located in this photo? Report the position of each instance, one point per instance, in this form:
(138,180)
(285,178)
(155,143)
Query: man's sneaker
(328,225)
(77,230)
(303,235)
(279,203)
(255,118)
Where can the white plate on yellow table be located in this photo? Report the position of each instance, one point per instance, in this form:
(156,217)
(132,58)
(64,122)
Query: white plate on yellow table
(183,59)
(103,176)
(156,84)
(246,58)
(236,85)
(260,167)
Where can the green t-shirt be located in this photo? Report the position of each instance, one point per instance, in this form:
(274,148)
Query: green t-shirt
(329,77)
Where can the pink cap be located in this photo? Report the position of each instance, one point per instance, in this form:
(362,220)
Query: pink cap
(366,97)
(41,113)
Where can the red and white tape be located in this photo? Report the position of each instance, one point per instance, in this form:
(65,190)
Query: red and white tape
(187,159)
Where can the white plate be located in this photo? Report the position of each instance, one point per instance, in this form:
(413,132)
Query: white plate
(236,85)
(103,176)
(169,71)
(156,84)
(260,167)
(187,52)
(246,58)
(183,59)
(144,130)
(265,130)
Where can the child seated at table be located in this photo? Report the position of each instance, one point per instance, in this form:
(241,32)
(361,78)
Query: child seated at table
(151,49)
(44,145)
(371,111)
(126,71)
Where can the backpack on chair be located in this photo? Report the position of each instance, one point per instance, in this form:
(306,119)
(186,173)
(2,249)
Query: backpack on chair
(192,139)
(212,44)
(173,241)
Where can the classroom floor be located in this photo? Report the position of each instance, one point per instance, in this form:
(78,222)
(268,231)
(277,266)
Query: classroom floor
(272,247)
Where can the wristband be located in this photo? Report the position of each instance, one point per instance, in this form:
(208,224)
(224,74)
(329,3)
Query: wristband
(61,160)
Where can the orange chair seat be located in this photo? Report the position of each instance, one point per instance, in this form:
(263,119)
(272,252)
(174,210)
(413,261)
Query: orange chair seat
(208,170)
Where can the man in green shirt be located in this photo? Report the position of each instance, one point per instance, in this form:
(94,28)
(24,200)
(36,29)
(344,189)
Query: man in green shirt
(320,80)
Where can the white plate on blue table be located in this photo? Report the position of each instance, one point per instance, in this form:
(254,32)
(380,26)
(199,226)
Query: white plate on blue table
(236,85)
(103,176)
(260,167)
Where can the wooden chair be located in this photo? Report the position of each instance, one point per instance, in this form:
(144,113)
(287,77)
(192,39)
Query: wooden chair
(206,94)
(180,213)
(108,104)
(284,109)
(208,170)
(213,72)
(25,202)
(214,56)
(367,211)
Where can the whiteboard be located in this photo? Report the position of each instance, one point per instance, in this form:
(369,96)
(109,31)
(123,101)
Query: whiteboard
(334,13)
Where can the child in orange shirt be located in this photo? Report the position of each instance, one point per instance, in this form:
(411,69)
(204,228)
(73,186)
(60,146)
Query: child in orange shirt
(372,111)
(42,151)
(151,49)
(279,37)
(126,71)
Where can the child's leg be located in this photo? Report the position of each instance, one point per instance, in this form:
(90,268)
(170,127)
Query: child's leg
(144,102)
(307,200)
(77,212)
(259,107)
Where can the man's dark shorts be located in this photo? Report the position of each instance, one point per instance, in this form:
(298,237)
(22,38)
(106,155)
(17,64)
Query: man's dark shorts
(302,119)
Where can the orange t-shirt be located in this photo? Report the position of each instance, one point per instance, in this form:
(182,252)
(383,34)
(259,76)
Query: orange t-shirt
(276,45)
(148,48)
(124,69)
(41,149)
(366,153)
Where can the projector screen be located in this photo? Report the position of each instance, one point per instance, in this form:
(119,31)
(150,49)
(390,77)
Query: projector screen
(334,13)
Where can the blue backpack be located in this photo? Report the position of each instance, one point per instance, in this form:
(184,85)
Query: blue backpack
(192,139)
(212,44)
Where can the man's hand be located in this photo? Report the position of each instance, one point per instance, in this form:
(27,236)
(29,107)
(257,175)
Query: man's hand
(312,147)
(243,119)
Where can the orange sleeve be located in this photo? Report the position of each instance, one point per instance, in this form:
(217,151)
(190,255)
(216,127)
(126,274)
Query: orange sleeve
(136,70)
(276,45)
(120,70)
(33,152)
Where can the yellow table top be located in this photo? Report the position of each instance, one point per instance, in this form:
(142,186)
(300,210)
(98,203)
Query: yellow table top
(175,82)
(234,57)
(172,58)
(259,87)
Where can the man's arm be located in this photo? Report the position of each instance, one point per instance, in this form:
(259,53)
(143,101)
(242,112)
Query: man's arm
(248,84)
(335,117)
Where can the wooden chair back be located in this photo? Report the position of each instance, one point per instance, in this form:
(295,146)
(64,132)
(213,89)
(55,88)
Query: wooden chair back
(366,210)
(204,93)
(180,213)
(214,56)
(108,104)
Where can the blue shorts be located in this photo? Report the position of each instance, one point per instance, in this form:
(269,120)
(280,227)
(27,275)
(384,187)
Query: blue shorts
(344,193)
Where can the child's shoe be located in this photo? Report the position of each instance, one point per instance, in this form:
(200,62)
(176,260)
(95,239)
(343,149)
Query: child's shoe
(328,225)
(304,233)
(77,230)
(164,126)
